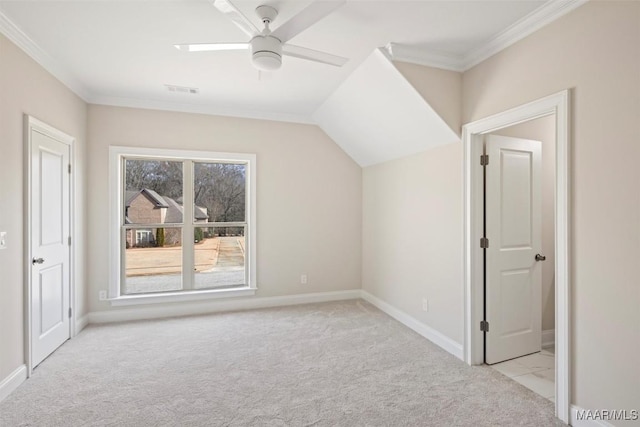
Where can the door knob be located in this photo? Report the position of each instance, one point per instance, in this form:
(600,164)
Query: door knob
(38,261)
(540,257)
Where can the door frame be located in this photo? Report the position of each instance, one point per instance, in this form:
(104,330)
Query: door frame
(472,137)
(31,123)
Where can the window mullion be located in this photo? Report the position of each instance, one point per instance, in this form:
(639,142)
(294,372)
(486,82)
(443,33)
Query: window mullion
(188,257)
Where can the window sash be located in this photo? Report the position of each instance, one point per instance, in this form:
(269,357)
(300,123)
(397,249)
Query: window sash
(119,155)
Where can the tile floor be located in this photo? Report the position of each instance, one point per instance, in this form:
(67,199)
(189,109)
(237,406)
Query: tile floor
(536,371)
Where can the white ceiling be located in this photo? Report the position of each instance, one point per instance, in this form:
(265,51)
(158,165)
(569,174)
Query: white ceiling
(376,115)
(121,52)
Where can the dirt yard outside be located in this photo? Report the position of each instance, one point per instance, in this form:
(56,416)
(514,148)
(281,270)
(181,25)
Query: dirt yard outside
(210,255)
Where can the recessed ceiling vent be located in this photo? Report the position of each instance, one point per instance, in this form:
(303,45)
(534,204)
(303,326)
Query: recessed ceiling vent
(183,89)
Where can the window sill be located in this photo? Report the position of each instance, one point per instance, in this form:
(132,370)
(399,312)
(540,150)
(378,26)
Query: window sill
(182,296)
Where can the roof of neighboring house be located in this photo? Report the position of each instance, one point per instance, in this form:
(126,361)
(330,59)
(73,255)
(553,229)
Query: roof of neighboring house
(174,209)
(174,212)
(200,213)
(154,197)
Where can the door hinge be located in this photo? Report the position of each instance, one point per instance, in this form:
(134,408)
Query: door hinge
(484,242)
(69,240)
(69,168)
(484,326)
(484,160)
(69,312)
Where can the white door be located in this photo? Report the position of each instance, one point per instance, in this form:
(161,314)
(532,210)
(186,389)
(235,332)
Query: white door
(49,222)
(514,230)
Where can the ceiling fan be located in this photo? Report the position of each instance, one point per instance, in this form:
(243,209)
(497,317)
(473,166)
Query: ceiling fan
(267,47)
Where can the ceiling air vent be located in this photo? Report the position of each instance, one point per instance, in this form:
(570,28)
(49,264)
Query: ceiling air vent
(183,89)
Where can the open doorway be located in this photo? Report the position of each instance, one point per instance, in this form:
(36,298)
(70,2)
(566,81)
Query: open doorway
(519,286)
(474,135)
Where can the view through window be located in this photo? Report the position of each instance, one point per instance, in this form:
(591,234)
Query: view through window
(183,225)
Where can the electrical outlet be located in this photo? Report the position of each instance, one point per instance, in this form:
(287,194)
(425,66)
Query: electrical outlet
(102,295)
(425,304)
(303,279)
(3,240)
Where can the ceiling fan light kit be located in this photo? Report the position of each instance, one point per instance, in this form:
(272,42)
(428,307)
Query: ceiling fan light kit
(265,54)
(266,47)
(266,50)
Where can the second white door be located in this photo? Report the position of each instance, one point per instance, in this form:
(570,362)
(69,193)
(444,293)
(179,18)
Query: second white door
(514,229)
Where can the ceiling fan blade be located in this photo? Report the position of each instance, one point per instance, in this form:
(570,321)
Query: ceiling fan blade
(231,12)
(313,55)
(306,18)
(208,47)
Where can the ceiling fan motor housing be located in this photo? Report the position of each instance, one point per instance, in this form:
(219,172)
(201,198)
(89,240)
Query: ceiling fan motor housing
(266,52)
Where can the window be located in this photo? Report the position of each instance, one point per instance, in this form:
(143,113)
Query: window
(183,224)
(144,238)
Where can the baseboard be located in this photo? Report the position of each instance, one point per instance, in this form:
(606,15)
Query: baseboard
(9,384)
(428,332)
(215,306)
(575,422)
(81,323)
(548,338)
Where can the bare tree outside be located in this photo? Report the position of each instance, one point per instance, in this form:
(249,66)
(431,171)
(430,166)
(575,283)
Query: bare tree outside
(220,187)
(163,177)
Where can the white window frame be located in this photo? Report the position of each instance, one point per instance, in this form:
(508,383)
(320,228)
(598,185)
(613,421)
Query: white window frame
(140,232)
(117,154)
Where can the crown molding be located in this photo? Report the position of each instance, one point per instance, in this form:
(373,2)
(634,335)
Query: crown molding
(430,58)
(199,109)
(31,48)
(542,16)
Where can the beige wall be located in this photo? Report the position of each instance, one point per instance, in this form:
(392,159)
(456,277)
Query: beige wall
(412,236)
(594,50)
(410,209)
(412,217)
(26,88)
(309,193)
(442,89)
(543,130)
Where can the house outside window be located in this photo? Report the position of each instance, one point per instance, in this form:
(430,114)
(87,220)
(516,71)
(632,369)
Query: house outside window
(183,223)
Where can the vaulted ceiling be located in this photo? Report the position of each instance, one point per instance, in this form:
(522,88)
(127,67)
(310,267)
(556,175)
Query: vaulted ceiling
(121,52)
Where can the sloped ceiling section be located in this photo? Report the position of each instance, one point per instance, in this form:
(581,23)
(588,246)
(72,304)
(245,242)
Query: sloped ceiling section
(376,115)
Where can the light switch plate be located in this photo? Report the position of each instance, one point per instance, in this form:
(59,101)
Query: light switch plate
(3,240)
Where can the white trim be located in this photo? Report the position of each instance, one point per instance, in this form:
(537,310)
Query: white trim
(13,381)
(426,331)
(30,123)
(81,323)
(542,16)
(116,154)
(50,64)
(73,254)
(585,423)
(201,109)
(548,338)
(557,104)
(165,297)
(215,306)
(430,58)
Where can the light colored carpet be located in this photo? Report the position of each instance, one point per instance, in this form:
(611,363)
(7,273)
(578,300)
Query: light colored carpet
(333,364)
